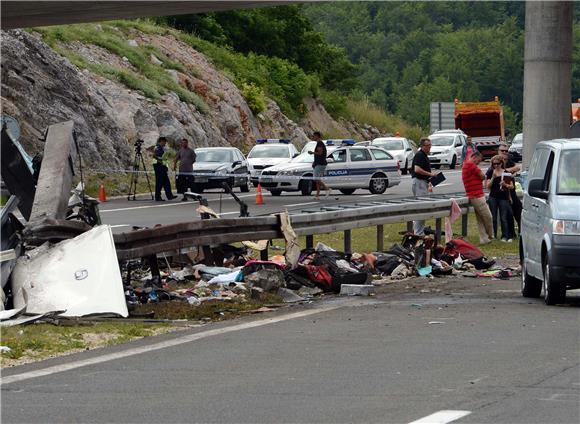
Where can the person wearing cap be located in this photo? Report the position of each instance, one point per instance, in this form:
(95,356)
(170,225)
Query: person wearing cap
(421,172)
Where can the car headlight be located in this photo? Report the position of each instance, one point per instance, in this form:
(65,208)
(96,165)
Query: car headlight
(567,227)
(221,172)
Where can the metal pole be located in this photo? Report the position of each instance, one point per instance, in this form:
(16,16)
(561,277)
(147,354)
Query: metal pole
(547,73)
(380,238)
(464,219)
(409,226)
(347,241)
(309,241)
(437,231)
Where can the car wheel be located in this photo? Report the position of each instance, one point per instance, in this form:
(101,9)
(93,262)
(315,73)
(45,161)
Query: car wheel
(405,170)
(275,192)
(198,188)
(347,191)
(244,188)
(453,162)
(554,291)
(306,187)
(531,286)
(378,184)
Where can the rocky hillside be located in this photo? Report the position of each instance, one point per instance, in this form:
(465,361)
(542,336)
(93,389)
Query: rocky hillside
(91,86)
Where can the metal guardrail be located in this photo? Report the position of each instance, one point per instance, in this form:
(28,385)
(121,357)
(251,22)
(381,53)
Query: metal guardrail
(308,222)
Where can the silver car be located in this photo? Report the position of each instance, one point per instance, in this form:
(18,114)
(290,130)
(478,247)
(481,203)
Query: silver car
(349,168)
(550,234)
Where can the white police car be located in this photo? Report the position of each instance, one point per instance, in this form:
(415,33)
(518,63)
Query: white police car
(349,168)
(267,153)
(398,147)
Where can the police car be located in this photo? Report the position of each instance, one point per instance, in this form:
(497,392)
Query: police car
(267,153)
(349,168)
(398,147)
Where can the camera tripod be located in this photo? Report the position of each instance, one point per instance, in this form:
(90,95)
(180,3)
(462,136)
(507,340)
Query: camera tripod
(138,162)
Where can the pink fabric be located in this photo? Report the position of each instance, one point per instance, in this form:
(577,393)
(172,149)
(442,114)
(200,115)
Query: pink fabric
(449,220)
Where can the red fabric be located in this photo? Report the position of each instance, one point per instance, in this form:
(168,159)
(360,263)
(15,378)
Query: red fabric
(471,180)
(469,153)
(466,249)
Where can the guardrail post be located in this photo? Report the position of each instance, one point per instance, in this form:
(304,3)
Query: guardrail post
(409,226)
(464,219)
(437,231)
(380,238)
(309,241)
(347,241)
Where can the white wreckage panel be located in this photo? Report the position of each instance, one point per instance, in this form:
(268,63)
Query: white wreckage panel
(80,276)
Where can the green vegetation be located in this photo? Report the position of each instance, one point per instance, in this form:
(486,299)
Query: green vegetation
(150,79)
(38,341)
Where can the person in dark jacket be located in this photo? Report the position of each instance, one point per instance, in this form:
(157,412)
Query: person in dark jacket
(160,168)
(421,172)
(499,186)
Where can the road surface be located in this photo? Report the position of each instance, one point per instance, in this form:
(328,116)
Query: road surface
(123,214)
(475,349)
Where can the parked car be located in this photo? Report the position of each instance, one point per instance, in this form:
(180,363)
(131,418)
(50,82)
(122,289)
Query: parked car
(515,149)
(349,168)
(215,165)
(446,148)
(399,148)
(267,153)
(550,235)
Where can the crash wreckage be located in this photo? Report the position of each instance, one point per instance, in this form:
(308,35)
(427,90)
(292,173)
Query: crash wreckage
(58,260)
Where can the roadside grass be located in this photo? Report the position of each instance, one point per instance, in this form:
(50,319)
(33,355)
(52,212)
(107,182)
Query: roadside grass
(151,80)
(211,310)
(364,240)
(115,184)
(40,341)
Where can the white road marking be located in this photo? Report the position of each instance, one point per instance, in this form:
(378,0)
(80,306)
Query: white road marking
(442,417)
(301,204)
(227,213)
(157,346)
(370,195)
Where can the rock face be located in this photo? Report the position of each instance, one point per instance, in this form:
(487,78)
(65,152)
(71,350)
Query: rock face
(41,87)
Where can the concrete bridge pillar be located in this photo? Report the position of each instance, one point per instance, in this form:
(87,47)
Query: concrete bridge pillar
(547,73)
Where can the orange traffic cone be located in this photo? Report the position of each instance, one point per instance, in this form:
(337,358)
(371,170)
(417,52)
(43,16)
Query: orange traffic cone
(102,195)
(259,198)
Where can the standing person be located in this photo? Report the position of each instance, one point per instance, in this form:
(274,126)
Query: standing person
(319,163)
(516,203)
(160,168)
(421,172)
(468,150)
(499,197)
(186,158)
(472,178)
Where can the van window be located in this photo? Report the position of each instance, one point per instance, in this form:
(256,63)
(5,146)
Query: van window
(538,164)
(548,174)
(568,175)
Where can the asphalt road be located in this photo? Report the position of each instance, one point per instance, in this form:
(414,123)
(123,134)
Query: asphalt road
(418,348)
(123,214)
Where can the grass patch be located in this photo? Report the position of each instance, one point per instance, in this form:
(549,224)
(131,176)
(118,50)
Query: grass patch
(39,341)
(152,80)
(214,310)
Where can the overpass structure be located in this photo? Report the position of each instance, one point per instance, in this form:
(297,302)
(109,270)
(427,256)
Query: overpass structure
(547,57)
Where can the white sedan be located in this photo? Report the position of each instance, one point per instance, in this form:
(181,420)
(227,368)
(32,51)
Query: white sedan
(349,168)
(399,147)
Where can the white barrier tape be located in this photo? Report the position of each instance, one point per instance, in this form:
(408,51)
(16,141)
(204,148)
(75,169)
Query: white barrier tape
(271,178)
